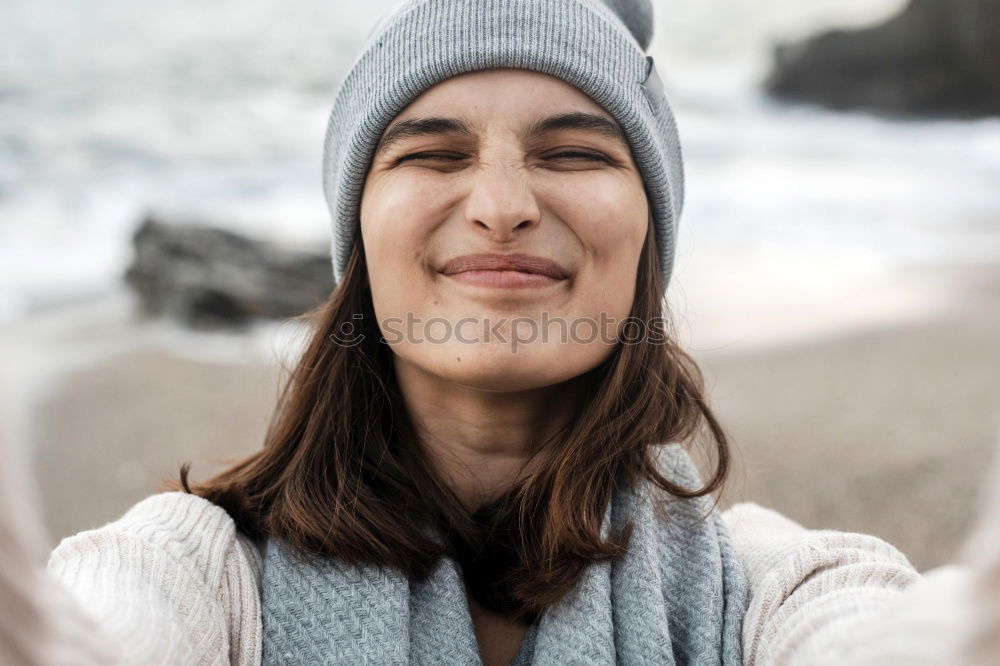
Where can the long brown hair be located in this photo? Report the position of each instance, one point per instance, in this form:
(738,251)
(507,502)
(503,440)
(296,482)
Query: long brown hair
(342,474)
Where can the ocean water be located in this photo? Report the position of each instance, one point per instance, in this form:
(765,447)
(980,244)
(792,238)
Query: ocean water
(216,112)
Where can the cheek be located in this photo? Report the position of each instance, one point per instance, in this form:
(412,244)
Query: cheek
(608,215)
(399,217)
(609,218)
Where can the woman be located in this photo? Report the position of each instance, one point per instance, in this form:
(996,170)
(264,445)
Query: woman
(482,455)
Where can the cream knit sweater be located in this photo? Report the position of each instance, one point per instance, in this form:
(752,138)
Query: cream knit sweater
(173,582)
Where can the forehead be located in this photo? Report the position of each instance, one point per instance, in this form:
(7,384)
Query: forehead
(502,94)
(531,103)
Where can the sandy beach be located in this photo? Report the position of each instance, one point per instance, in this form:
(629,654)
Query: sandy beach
(885,429)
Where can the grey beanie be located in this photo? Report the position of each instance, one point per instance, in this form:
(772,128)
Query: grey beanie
(599,47)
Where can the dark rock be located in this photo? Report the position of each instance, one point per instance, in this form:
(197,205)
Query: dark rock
(209,277)
(939,57)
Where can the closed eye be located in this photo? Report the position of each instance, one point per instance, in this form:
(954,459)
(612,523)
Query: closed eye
(579,155)
(432,156)
(456,157)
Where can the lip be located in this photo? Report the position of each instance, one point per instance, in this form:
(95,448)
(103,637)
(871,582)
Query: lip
(504,271)
(486,261)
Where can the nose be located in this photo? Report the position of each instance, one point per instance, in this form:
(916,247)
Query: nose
(501,203)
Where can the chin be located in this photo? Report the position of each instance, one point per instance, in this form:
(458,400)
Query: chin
(498,368)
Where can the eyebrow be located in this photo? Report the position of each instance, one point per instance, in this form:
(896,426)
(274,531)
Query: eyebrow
(436,126)
(590,122)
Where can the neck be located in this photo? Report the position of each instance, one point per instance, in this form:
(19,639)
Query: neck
(482,442)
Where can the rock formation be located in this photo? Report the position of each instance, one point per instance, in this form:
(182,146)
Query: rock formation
(939,57)
(208,277)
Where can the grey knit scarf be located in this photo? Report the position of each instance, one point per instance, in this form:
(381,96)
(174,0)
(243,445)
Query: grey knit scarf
(677,596)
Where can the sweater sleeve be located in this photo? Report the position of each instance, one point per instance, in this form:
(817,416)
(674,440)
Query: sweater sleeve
(167,583)
(822,596)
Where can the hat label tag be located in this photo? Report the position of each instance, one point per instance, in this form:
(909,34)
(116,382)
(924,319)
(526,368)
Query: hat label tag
(652,86)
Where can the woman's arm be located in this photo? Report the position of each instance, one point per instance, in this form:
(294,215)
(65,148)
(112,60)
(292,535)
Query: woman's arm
(826,597)
(822,597)
(981,552)
(170,582)
(809,589)
(40,623)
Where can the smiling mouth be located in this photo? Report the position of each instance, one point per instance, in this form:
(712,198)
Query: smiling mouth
(504,271)
(504,279)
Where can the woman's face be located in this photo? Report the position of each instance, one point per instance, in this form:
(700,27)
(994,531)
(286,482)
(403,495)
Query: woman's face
(502,220)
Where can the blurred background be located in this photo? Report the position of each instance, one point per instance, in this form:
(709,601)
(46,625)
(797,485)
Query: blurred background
(837,274)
